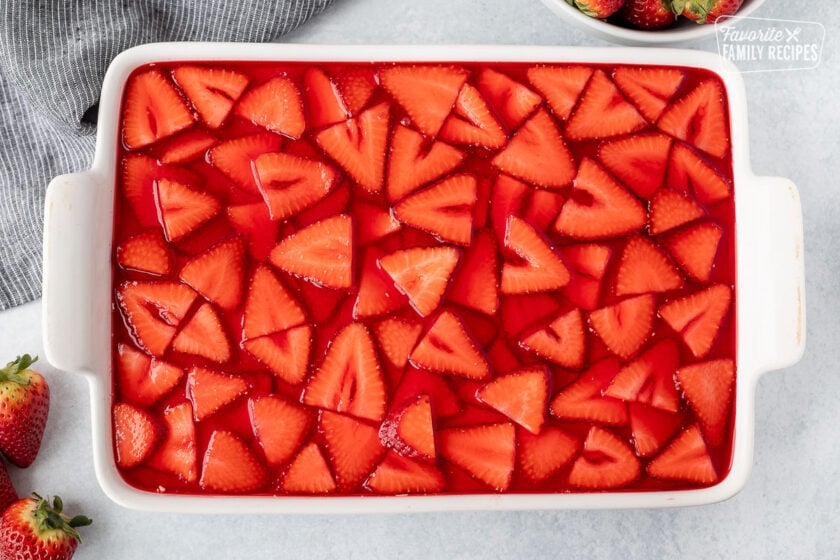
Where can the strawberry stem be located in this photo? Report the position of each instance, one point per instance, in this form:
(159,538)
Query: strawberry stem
(12,371)
(51,517)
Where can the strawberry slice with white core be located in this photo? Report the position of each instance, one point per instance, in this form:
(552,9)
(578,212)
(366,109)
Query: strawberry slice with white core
(153,110)
(212,91)
(447,347)
(541,270)
(602,112)
(182,209)
(414,162)
(561,86)
(359,145)
(522,396)
(422,274)
(562,341)
(289,184)
(445,209)
(321,253)
(276,105)
(599,207)
(606,462)
(349,379)
(698,317)
(487,452)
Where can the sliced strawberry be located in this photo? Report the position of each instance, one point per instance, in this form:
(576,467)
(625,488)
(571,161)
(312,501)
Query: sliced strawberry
(409,431)
(235,158)
(700,119)
(605,462)
(695,249)
(445,209)
(508,199)
(138,173)
(276,105)
(285,353)
(153,311)
(563,341)
(229,466)
(152,110)
(309,473)
(542,209)
(398,475)
(254,222)
(397,338)
(708,388)
(142,380)
(649,379)
(185,147)
(427,93)
(212,91)
(136,433)
(269,307)
(353,447)
(534,143)
(644,268)
(210,390)
(476,283)
(290,184)
(203,335)
(356,86)
(324,106)
(686,459)
(651,427)
(218,274)
(541,269)
(321,253)
(588,263)
(626,325)
(472,123)
(177,453)
(543,455)
(697,317)
(279,427)
(422,274)
(602,112)
(583,400)
(418,382)
(377,293)
(599,207)
(522,396)
(413,162)
(689,172)
(670,209)
(509,99)
(373,222)
(448,348)
(182,210)
(359,144)
(639,161)
(649,88)
(560,85)
(487,452)
(349,379)
(144,252)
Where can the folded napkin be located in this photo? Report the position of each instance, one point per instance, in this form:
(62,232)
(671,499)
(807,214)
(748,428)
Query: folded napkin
(53,56)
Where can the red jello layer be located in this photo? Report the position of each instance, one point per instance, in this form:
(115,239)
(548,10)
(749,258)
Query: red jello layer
(439,278)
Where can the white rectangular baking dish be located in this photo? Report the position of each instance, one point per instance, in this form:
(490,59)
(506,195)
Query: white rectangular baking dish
(77,277)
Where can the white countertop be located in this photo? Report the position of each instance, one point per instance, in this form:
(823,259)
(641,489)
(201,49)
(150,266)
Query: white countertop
(790,507)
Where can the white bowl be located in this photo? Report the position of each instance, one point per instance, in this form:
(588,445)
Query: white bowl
(684,32)
(78,292)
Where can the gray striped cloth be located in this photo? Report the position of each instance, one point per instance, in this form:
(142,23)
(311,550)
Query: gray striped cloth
(53,56)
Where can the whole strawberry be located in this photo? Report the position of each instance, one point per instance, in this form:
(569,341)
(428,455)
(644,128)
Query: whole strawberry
(600,9)
(648,14)
(706,11)
(33,529)
(24,405)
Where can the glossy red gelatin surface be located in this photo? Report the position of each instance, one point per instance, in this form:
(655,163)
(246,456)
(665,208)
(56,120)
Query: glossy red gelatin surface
(423,278)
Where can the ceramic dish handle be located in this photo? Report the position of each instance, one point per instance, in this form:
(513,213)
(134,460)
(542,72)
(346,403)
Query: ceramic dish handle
(780,227)
(71,219)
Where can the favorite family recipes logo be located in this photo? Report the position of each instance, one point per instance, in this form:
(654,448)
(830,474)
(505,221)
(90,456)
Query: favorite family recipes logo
(768,45)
